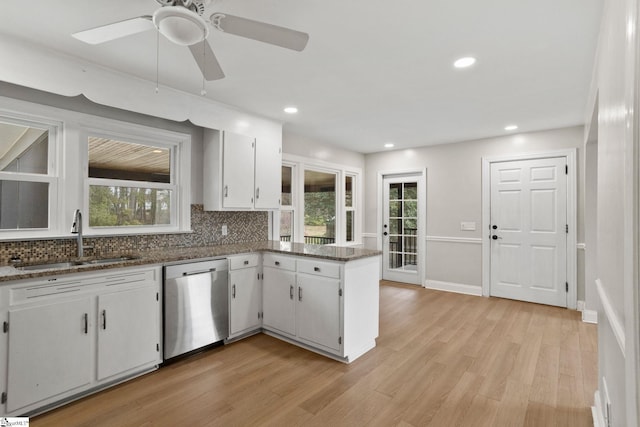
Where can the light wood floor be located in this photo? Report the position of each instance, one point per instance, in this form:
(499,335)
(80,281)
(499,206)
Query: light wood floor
(442,359)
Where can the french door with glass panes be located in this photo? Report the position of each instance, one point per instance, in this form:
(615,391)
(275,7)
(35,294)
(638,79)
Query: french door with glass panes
(401,245)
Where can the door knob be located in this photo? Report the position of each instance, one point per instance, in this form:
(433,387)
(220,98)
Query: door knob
(494,237)
(495,227)
(385,233)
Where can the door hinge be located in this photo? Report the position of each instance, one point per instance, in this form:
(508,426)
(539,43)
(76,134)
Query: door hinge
(261,315)
(3,399)
(339,340)
(5,327)
(158,347)
(566,169)
(567,228)
(339,292)
(566,286)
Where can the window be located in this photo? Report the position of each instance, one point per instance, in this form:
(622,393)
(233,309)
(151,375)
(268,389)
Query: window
(349,208)
(129,184)
(287,207)
(28,175)
(132,183)
(322,208)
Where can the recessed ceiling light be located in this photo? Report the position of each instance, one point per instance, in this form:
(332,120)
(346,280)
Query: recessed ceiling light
(291,110)
(465,62)
(389,145)
(511,127)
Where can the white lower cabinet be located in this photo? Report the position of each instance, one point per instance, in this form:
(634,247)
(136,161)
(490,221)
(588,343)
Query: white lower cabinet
(245,295)
(68,335)
(127,321)
(50,349)
(330,307)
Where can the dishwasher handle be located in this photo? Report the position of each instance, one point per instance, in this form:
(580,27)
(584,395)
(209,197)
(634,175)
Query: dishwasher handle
(193,273)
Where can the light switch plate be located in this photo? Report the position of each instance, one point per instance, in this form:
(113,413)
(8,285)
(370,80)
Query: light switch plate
(224,230)
(468,226)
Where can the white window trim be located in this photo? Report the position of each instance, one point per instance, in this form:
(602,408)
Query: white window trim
(301,164)
(180,146)
(69,161)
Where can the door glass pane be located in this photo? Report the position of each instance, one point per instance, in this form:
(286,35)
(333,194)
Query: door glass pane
(286,226)
(287,171)
(112,159)
(395,226)
(395,209)
(128,206)
(410,191)
(24,205)
(410,209)
(348,192)
(319,207)
(395,191)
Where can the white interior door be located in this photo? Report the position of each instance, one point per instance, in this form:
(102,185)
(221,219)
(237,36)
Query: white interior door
(401,231)
(529,230)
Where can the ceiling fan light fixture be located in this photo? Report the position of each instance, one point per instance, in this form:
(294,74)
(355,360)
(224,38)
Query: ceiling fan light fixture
(180,25)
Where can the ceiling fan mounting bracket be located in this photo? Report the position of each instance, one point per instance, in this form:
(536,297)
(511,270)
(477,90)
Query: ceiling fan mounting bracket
(216,19)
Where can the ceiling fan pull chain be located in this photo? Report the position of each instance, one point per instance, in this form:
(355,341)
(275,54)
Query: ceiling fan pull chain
(157,60)
(203,92)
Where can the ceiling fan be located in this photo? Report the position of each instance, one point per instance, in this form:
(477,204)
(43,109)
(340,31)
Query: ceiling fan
(182,22)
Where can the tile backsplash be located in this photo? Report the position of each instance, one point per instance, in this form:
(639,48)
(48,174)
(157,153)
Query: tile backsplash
(242,227)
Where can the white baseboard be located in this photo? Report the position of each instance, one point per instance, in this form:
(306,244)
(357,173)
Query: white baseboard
(458,288)
(590,316)
(580,305)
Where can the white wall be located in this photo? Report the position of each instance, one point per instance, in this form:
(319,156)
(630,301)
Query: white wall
(454,194)
(615,95)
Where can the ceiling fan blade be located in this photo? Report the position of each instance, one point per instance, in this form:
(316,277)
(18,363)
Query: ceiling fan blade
(116,30)
(206,60)
(260,31)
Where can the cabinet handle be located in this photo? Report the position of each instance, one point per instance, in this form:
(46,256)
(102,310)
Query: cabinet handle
(86,323)
(277,262)
(291,292)
(233,291)
(246,263)
(226,191)
(299,293)
(104,319)
(316,269)
(257,193)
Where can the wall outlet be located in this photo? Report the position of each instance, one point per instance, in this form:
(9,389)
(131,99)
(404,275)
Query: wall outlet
(468,226)
(225,231)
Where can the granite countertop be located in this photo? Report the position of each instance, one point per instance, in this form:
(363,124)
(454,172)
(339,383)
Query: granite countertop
(177,255)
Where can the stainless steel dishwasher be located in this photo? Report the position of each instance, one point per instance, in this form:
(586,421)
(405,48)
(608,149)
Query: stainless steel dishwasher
(196,311)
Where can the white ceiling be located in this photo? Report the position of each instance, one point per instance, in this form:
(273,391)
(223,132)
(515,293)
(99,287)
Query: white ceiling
(373,72)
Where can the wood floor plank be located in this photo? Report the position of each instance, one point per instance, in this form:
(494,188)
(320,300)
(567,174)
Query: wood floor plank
(442,359)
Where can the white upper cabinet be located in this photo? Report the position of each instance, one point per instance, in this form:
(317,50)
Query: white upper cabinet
(241,172)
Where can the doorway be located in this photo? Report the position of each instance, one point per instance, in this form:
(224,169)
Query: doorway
(403,227)
(529,238)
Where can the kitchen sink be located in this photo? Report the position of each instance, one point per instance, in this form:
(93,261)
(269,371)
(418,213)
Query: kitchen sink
(69,264)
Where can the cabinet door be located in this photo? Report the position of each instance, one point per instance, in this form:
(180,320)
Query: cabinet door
(268,174)
(318,311)
(245,301)
(128,330)
(50,351)
(278,299)
(238,171)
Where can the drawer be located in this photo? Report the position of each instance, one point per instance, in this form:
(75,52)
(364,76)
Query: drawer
(319,268)
(244,261)
(279,261)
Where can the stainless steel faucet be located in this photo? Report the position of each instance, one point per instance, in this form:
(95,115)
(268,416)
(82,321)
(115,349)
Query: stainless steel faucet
(76,228)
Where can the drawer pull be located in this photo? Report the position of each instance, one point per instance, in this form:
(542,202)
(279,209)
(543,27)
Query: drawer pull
(291,292)
(277,262)
(316,269)
(246,263)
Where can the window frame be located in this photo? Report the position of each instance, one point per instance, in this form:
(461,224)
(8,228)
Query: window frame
(31,117)
(179,182)
(301,164)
